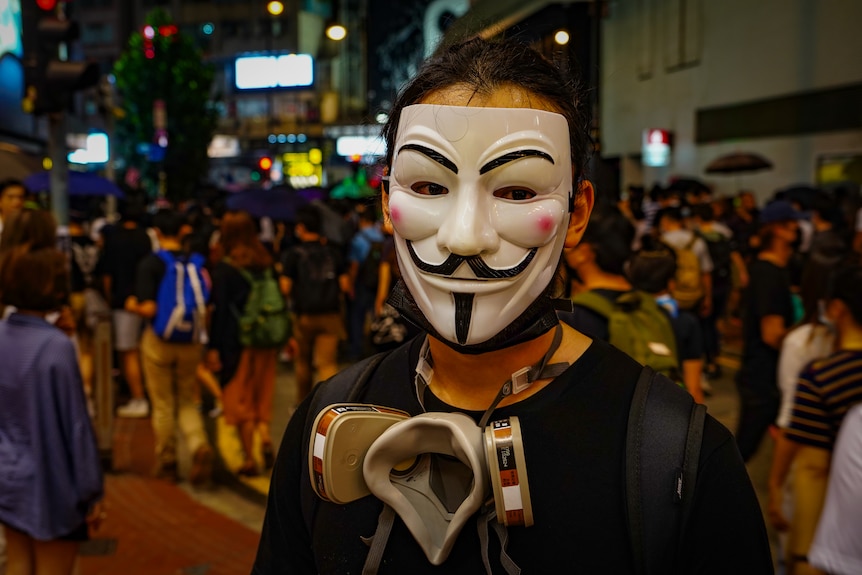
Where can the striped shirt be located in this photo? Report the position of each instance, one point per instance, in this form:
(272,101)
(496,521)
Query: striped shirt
(827,389)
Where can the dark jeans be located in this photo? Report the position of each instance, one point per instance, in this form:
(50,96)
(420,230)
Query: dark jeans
(360,307)
(758,403)
(709,325)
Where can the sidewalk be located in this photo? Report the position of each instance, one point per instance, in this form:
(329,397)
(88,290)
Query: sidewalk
(154,527)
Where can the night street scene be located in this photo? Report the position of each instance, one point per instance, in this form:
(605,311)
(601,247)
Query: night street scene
(430,286)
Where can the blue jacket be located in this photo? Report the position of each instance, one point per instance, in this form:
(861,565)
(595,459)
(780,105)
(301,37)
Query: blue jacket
(49,461)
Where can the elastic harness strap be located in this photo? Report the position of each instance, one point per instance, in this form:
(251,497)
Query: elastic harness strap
(378,541)
(485,518)
(520,380)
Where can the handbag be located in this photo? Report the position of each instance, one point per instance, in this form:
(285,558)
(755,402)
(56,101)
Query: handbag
(388,326)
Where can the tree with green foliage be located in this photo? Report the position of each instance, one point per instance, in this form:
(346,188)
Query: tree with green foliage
(168,67)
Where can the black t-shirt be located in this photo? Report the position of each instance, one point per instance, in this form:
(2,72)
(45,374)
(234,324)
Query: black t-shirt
(85,263)
(228,298)
(574,437)
(124,250)
(768,293)
(314,269)
(689,335)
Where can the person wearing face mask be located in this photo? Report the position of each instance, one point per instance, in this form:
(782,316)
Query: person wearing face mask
(826,390)
(486,149)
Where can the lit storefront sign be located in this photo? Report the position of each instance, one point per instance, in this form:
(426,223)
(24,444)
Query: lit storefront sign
(656,148)
(271,72)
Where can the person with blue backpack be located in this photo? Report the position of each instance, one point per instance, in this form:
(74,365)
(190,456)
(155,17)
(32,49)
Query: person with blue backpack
(171,292)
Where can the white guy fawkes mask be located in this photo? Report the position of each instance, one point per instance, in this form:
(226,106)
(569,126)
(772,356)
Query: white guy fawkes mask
(479,202)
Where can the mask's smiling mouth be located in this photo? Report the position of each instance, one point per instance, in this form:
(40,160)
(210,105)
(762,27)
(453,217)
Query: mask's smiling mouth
(476,263)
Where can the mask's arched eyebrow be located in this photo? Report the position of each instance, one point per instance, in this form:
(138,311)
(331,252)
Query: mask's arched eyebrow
(511,156)
(433,154)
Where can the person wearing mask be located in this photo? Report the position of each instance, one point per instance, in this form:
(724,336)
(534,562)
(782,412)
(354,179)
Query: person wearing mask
(767,317)
(486,148)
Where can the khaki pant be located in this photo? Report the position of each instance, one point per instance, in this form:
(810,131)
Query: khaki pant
(169,371)
(810,478)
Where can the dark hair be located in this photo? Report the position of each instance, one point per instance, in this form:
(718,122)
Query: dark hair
(671,213)
(651,270)
(846,285)
(485,66)
(32,228)
(310,218)
(133,210)
(239,237)
(33,279)
(10,183)
(168,222)
(703,212)
(610,235)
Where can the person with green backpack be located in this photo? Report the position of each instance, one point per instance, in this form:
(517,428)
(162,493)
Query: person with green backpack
(625,311)
(250,324)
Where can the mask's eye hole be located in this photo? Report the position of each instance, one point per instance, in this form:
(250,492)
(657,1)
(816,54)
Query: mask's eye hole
(429,189)
(515,194)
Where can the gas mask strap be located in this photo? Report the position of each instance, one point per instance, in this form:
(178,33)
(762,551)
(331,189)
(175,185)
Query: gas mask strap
(486,517)
(524,377)
(424,373)
(378,540)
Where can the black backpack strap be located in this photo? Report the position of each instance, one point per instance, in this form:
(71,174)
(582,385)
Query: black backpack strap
(665,431)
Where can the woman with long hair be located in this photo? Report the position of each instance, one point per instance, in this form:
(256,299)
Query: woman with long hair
(246,374)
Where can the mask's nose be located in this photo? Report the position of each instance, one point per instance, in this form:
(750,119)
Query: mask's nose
(468,229)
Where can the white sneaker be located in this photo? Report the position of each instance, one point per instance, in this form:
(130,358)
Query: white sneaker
(137,407)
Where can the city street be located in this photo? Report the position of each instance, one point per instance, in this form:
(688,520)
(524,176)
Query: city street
(155,527)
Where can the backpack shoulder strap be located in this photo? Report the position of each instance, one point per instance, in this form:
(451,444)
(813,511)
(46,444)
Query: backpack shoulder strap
(664,435)
(346,386)
(596,302)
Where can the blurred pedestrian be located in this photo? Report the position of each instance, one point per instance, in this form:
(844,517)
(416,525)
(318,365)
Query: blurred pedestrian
(246,373)
(768,315)
(315,281)
(827,388)
(170,292)
(12,194)
(364,258)
(125,246)
(50,475)
(837,547)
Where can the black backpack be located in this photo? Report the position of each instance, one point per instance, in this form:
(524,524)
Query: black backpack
(663,441)
(369,269)
(719,251)
(315,289)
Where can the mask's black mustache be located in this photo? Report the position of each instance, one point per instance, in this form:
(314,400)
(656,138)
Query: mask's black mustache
(479,267)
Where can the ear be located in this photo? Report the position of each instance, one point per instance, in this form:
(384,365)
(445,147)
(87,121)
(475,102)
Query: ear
(580,216)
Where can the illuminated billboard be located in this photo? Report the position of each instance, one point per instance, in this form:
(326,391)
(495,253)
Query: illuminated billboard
(270,72)
(11,72)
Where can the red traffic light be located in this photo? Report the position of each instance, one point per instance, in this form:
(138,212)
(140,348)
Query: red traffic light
(46,4)
(265,163)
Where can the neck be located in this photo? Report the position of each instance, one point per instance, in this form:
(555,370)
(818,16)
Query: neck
(596,278)
(778,253)
(170,244)
(472,381)
(821,226)
(851,338)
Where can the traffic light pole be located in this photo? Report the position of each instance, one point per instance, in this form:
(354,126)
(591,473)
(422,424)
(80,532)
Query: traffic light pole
(59,176)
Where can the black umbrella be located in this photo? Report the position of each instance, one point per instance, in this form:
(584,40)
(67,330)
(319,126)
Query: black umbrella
(738,163)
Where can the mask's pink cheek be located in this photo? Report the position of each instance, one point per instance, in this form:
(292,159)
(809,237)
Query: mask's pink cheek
(545,224)
(395,214)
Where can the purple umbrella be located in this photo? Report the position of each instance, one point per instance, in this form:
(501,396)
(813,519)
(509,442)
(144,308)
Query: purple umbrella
(80,184)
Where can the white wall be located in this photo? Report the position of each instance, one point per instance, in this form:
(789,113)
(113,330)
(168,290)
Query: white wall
(738,51)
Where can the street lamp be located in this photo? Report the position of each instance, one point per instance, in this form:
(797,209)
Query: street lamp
(336,32)
(561,37)
(275,8)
